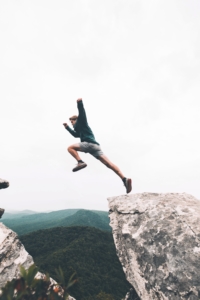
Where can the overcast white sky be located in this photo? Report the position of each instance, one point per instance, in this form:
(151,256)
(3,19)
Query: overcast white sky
(136,64)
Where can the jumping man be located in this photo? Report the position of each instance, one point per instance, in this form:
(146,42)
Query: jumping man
(88,144)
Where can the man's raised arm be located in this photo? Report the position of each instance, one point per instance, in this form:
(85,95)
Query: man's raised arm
(82,113)
(74,133)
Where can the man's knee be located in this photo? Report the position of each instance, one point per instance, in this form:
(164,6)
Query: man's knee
(73,147)
(70,148)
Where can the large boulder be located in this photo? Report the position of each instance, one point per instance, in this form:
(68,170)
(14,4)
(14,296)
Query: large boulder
(157,238)
(3,184)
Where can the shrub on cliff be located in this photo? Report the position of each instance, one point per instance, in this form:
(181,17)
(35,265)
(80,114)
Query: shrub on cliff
(27,287)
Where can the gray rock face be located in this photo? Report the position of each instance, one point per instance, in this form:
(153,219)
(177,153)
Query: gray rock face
(157,237)
(3,184)
(12,255)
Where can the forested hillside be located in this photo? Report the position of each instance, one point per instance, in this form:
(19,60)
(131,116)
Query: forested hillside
(87,251)
(69,217)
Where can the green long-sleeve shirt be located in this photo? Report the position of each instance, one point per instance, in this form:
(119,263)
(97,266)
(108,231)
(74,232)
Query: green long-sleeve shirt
(81,127)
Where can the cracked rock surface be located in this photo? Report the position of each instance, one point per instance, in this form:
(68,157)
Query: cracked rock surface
(12,255)
(157,238)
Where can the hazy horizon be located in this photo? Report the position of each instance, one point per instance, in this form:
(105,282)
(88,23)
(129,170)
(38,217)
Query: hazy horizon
(47,211)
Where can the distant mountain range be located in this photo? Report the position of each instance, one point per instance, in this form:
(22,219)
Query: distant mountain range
(17,214)
(27,221)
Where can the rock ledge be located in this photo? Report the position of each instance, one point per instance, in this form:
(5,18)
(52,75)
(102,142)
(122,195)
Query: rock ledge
(157,238)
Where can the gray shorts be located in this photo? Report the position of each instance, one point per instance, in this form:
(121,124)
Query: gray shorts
(91,148)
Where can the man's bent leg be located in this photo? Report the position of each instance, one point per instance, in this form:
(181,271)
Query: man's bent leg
(110,165)
(73,151)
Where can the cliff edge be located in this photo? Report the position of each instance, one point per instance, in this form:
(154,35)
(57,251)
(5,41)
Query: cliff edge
(3,184)
(157,239)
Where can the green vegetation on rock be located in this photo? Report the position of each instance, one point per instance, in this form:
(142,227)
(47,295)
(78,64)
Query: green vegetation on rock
(27,287)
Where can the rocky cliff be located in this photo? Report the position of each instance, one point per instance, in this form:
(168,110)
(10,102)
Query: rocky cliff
(157,239)
(12,255)
(3,184)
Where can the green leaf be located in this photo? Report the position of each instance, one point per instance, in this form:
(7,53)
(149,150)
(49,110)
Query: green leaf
(31,272)
(60,275)
(23,272)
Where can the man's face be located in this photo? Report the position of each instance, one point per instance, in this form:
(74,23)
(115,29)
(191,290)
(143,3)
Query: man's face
(73,121)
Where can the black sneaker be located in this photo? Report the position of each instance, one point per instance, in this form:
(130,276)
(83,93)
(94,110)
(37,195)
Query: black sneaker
(128,185)
(1,212)
(79,166)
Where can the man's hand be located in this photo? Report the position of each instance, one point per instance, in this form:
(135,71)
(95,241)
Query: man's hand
(65,125)
(79,99)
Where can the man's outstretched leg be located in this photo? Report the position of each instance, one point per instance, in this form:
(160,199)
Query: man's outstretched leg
(127,181)
(73,151)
